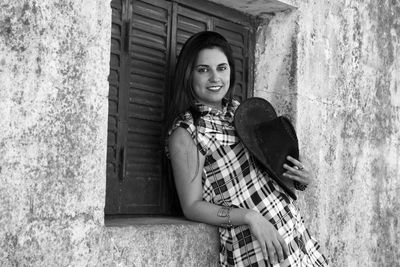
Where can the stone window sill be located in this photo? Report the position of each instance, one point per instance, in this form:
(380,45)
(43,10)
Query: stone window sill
(136,221)
(162,241)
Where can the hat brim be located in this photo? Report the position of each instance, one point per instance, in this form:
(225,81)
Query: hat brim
(252,115)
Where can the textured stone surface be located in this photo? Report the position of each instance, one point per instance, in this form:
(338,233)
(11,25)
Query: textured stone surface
(258,8)
(334,66)
(181,243)
(53,104)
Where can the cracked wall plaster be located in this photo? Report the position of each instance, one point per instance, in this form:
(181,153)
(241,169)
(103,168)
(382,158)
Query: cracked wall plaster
(334,67)
(331,65)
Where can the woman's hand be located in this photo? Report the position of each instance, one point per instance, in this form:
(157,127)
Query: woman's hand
(272,244)
(299,172)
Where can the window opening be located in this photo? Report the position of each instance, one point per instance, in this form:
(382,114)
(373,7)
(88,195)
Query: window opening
(147,36)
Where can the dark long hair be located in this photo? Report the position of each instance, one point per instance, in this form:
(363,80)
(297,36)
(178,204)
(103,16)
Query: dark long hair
(181,93)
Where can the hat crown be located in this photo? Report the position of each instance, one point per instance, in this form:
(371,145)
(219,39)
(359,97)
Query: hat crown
(269,138)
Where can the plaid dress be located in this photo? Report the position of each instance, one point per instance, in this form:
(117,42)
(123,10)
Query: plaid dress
(232,178)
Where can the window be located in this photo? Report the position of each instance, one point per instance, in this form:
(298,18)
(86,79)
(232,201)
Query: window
(147,36)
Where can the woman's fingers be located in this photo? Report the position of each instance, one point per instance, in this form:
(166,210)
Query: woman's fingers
(301,178)
(284,246)
(271,253)
(279,250)
(295,174)
(297,167)
(264,250)
(298,172)
(293,170)
(276,250)
(272,244)
(295,162)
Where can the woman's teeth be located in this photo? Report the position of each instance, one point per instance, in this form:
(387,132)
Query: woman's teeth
(214,88)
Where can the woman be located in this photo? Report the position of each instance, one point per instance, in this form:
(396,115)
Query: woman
(216,179)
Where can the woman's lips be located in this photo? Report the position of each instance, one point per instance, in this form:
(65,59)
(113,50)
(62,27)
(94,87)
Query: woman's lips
(214,88)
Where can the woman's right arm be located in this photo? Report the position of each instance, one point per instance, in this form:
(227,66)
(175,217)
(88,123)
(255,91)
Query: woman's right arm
(187,164)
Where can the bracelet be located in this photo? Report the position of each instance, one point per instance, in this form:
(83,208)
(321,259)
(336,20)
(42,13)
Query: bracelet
(225,212)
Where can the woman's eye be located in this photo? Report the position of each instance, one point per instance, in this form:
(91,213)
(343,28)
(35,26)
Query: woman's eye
(223,68)
(202,69)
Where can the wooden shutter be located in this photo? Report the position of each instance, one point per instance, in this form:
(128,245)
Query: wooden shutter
(143,189)
(134,178)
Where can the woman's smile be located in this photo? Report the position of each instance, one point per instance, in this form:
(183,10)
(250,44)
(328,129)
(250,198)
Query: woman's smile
(214,88)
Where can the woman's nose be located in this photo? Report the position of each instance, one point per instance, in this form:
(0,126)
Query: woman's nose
(214,76)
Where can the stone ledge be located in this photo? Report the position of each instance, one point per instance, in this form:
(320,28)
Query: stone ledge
(135,221)
(258,7)
(163,242)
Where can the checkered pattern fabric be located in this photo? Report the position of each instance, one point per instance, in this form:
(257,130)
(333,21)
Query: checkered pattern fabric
(232,178)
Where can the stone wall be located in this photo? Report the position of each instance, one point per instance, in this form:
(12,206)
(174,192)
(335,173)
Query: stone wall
(334,67)
(330,65)
(53,102)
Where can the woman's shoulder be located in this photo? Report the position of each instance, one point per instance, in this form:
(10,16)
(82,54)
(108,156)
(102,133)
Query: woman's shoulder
(184,119)
(180,138)
(182,126)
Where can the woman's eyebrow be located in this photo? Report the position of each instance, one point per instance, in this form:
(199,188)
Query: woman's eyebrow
(206,65)
(202,65)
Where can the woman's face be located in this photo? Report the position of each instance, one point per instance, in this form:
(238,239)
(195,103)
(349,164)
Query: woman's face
(211,77)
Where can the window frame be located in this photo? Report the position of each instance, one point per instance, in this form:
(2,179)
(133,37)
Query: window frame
(217,14)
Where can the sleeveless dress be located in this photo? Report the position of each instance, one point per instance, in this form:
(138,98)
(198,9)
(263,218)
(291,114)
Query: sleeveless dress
(231,177)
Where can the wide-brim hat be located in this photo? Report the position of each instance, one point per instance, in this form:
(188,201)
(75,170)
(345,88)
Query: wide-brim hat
(268,137)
